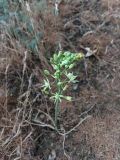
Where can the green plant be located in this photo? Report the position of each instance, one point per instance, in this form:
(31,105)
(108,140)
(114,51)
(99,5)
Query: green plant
(62,64)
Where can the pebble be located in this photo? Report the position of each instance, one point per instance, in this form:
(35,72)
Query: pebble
(52,155)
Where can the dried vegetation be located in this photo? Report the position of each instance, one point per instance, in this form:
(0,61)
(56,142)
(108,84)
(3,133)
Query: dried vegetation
(28,38)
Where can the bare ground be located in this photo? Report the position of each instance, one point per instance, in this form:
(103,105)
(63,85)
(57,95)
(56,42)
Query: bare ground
(94,24)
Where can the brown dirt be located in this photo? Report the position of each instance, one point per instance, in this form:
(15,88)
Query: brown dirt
(94,24)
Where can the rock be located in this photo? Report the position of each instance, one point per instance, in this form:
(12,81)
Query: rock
(52,155)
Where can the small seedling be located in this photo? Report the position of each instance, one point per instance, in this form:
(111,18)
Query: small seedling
(62,64)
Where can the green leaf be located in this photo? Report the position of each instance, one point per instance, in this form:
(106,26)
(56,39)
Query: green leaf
(46,86)
(59,83)
(68,98)
(71,66)
(56,97)
(65,62)
(46,72)
(57,74)
(71,77)
(55,57)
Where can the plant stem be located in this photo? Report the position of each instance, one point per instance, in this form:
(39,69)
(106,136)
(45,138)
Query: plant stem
(57,106)
(57,103)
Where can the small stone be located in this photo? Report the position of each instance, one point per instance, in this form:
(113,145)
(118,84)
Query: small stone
(52,156)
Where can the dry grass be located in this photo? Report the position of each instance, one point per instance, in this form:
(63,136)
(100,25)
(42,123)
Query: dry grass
(21,75)
(109,4)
